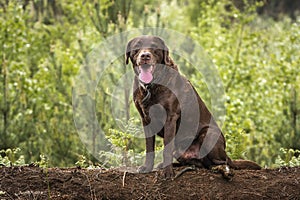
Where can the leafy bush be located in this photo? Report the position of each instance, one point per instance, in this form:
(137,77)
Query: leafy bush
(288,157)
(125,145)
(11,157)
(44,46)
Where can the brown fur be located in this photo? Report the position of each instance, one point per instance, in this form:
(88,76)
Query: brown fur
(147,95)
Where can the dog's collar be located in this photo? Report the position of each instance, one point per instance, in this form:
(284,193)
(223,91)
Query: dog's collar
(147,88)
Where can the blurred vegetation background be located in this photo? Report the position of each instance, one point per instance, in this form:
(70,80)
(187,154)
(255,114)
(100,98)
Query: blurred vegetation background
(254,44)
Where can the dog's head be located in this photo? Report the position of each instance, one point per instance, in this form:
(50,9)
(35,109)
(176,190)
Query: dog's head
(146,53)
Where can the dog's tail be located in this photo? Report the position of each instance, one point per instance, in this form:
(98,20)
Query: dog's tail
(245,164)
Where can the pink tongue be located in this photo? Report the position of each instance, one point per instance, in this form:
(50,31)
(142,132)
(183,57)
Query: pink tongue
(145,75)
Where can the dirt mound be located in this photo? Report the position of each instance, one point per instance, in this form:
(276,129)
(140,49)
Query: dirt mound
(73,183)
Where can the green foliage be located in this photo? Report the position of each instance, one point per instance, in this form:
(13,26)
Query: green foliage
(44,45)
(36,70)
(43,162)
(260,75)
(126,146)
(82,162)
(11,157)
(288,157)
(121,139)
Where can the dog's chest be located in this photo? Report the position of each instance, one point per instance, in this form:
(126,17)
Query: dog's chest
(156,103)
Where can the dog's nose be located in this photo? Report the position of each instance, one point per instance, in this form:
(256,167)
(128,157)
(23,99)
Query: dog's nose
(146,56)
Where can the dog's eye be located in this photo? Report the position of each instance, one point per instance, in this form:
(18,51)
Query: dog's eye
(157,51)
(134,52)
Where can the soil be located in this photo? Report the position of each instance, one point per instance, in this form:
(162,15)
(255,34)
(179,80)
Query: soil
(75,183)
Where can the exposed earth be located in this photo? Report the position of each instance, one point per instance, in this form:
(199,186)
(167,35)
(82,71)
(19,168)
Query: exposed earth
(75,183)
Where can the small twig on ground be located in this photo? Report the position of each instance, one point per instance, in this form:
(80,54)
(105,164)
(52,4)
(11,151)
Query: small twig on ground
(184,170)
(124,176)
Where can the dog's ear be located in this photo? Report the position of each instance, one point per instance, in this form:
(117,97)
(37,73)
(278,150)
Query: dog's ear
(166,58)
(127,57)
(127,52)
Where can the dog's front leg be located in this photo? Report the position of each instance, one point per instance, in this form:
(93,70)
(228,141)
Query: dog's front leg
(169,145)
(149,162)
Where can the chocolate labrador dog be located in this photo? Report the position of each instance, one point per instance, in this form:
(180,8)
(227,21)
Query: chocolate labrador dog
(171,108)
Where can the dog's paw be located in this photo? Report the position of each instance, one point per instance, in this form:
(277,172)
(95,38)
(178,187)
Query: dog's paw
(226,172)
(168,172)
(144,169)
